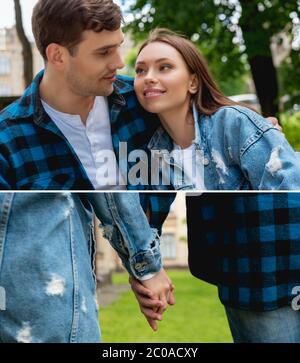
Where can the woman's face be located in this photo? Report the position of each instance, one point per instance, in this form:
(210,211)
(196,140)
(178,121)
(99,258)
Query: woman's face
(163,82)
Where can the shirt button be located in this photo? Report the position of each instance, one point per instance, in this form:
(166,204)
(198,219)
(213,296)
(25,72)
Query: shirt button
(205,161)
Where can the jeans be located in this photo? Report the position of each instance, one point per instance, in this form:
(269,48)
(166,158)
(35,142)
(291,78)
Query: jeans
(277,326)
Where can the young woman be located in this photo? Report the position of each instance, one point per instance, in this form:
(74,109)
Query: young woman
(206,141)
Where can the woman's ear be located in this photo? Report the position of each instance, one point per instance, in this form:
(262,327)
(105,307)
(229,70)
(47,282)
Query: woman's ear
(194,84)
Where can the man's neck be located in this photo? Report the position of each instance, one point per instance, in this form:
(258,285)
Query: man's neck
(57,95)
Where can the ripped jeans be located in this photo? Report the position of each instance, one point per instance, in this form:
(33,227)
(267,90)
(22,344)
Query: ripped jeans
(45,263)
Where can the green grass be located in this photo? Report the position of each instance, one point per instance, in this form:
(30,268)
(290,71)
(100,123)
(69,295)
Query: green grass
(198,315)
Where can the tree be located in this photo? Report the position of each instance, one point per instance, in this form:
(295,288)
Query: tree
(233,35)
(26,46)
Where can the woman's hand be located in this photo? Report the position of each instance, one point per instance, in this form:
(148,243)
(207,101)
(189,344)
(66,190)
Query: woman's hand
(153,296)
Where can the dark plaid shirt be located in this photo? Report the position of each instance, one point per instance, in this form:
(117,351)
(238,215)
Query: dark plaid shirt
(248,245)
(35,155)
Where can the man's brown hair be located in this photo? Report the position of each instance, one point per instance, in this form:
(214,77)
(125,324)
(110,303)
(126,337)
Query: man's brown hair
(63,21)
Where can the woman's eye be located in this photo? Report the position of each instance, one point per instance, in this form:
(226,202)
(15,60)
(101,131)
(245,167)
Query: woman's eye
(139,70)
(165,67)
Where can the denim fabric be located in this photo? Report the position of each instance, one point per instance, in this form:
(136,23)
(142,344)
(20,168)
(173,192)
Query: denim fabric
(46,261)
(238,150)
(45,269)
(126,227)
(35,155)
(278,326)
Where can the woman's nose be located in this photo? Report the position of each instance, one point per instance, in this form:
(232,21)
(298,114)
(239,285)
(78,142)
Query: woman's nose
(150,77)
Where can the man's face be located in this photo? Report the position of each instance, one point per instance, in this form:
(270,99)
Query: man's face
(91,71)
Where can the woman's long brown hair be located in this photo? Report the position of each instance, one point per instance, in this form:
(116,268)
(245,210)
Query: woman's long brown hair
(209,97)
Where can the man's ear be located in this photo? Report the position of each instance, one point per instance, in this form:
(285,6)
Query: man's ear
(55,55)
(194,84)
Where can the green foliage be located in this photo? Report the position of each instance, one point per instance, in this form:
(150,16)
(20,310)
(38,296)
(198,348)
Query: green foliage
(197,20)
(289,75)
(198,315)
(214,26)
(291,129)
(260,20)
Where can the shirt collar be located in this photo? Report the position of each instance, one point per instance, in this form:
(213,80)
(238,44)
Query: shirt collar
(30,102)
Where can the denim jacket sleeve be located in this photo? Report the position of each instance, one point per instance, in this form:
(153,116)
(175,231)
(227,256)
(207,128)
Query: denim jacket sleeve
(126,227)
(265,157)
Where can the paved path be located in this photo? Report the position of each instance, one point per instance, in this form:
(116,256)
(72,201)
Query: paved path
(110,293)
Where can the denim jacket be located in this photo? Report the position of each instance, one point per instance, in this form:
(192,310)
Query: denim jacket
(239,150)
(46,249)
(126,227)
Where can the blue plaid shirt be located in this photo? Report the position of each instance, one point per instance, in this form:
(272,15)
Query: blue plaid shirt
(35,155)
(248,245)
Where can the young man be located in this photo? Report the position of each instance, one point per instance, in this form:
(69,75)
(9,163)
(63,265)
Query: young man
(52,138)
(248,246)
(55,135)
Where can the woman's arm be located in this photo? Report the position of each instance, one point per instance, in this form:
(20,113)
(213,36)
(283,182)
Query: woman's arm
(271,163)
(262,152)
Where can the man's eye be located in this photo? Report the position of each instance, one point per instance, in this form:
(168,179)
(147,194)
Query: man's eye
(103,54)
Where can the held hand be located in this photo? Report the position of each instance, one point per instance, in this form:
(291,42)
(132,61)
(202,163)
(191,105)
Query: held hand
(149,304)
(161,286)
(153,303)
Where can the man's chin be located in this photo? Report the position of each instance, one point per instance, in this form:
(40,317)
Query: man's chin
(105,92)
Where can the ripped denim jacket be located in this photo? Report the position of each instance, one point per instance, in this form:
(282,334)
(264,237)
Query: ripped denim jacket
(126,227)
(237,149)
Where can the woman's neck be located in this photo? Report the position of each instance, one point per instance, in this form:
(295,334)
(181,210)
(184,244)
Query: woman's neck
(180,125)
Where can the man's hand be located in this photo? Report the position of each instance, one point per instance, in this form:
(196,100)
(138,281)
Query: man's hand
(153,296)
(274,121)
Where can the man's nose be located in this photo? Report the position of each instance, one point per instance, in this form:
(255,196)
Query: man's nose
(118,62)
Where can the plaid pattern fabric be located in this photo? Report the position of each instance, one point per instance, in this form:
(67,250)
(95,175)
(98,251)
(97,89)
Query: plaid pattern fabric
(248,245)
(35,155)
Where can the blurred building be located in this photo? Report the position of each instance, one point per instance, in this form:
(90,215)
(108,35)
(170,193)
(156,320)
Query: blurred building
(11,63)
(173,244)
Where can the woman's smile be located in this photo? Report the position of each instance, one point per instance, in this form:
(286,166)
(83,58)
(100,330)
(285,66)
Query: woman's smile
(153,93)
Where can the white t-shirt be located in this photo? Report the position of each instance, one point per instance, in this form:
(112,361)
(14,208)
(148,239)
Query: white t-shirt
(186,158)
(91,142)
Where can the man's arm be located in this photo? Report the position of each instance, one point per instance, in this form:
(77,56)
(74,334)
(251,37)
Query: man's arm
(126,227)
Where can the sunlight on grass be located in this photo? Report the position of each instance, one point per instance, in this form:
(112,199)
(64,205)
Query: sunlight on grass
(198,315)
